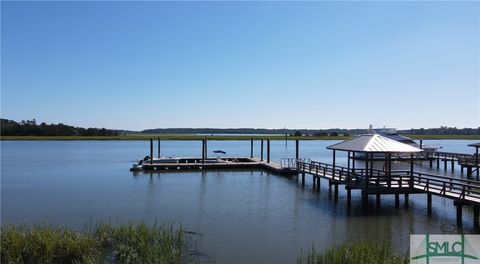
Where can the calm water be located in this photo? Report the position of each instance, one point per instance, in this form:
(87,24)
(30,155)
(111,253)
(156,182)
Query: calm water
(244,216)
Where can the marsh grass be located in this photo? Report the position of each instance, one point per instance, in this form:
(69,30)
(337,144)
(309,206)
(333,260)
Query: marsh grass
(107,243)
(359,252)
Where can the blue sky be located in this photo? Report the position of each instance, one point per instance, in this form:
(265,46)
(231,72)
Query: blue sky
(130,65)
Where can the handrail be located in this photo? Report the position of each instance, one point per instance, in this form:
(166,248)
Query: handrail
(443,185)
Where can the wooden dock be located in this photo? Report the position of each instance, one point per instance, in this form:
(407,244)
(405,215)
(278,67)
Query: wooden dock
(376,182)
(220,164)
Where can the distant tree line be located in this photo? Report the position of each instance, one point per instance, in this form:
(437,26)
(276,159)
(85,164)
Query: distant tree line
(310,132)
(291,132)
(443,130)
(31,128)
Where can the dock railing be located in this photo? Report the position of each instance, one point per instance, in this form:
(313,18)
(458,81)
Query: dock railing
(455,188)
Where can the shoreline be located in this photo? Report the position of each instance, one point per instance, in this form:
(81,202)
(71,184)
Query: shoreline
(221,137)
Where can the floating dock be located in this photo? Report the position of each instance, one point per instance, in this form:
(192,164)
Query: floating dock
(217,164)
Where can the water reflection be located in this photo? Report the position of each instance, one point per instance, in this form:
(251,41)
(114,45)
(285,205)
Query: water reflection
(245,216)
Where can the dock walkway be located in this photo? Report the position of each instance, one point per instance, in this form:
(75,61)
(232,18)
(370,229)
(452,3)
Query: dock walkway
(376,182)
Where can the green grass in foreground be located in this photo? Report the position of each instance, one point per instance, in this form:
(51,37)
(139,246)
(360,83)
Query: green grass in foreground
(131,243)
(359,252)
(230,137)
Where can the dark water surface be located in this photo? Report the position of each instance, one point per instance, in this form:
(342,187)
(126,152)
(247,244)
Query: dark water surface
(244,216)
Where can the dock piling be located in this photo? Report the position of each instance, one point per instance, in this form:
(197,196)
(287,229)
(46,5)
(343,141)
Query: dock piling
(268,150)
(296,149)
(406,200)
(251,147)
(429,203)
(459,214)
(151,150)
(158,145)
(397,200)
(349,197)
(206,148)
(261,149)
(203,151)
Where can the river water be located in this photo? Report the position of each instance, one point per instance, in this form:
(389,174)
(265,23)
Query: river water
(243,216)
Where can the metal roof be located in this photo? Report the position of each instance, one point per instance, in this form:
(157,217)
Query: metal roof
(374,143)
(474,145)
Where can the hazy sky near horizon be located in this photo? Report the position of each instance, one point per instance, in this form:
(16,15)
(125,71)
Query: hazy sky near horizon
(139,65)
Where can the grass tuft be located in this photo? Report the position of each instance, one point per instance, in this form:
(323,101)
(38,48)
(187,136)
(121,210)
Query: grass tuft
(130,243)
(359,252)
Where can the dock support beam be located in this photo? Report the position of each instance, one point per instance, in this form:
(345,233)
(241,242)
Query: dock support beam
(429,203)
(251,147)
(378,199)
(297,156)
(303,178)
(151,150)
(158,143)
(431,162)
(406,200)
(459,214)
(336,191)
(203,151)
(349,197)
(445,162)
(261,149)
(268,150)
(206,148)
(318,184)
(397,200)
(438,162)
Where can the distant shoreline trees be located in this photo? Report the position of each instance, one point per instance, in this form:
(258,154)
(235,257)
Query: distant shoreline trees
(31,128)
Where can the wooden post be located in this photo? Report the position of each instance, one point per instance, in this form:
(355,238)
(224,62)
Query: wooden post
(297,156)
(333,171)
(158,143)
(429,203)
(303,178)
(261,149)
(406,200)
(348,161)
(445,162)
(151,150)
(365,192)
(438,161)
(268,150)
(421,143)
(453,165)
(318,183)
(203,151)
(353,163)
(397,200)
(349,196)
(378,199)
(336,191)
(476,161)
(410,182)
(389,169)
(430,161)
(251,147)
(206,148)
(476,215)
(459,214)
